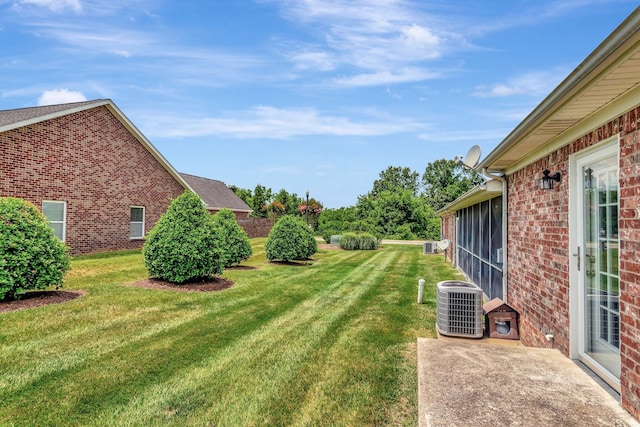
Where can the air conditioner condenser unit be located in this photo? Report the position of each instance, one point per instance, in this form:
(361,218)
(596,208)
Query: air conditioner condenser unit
(429,248)
(459,309)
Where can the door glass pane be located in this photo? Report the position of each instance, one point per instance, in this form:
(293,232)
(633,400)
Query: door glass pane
(600,273)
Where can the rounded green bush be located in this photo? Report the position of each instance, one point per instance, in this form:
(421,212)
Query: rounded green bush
(236,244)
(184,245)
(358,241)
(290,239)
(31,256)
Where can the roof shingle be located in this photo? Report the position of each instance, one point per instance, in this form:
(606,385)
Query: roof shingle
(8,117)
(215,193)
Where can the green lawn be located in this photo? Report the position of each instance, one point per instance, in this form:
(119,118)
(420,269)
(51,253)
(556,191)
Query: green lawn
(332,342)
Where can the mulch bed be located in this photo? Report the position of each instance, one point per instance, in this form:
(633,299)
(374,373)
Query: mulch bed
(41,298)
(38,299)
(210,285)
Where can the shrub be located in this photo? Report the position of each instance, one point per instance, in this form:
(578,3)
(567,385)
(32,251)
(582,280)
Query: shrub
(185,244)
(337,221)
(235,242)
(354,241)
(368,242)
(31,256)
(403,232)
(290,239)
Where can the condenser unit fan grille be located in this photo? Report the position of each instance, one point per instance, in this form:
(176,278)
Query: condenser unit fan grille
(459,309)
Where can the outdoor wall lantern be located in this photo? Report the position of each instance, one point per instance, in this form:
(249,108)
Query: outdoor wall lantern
(546,182)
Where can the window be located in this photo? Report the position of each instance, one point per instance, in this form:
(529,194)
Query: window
(136,229)
(56,214)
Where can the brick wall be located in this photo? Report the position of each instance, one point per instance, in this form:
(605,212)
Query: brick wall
(448,231)
(539,252)
(629,229)
(255,227)
(91,161)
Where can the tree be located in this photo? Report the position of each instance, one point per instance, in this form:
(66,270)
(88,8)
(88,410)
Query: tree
(444,181)
(396,178)
(261,198)
(275,210)
(290,201)
(310,210)
(235,242)
(31,256)
(336,221)
(243,193)
(185,244)
(395,214)
(290,239)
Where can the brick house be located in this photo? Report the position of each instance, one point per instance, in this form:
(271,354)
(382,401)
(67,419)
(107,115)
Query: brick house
(96,177)
(563,252)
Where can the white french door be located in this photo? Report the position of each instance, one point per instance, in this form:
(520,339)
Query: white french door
(595,274)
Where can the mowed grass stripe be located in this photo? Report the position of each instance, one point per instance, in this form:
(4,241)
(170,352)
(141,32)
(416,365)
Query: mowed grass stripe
(81,336)
(99,364)
(238,383)
(327,342)
(367,360)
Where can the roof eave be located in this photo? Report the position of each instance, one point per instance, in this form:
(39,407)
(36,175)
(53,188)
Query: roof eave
(481,193)
(54,115)
(580,77)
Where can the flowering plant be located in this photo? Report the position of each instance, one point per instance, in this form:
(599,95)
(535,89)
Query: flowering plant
(314,208)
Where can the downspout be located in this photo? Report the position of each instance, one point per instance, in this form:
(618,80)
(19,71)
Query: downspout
(505,246)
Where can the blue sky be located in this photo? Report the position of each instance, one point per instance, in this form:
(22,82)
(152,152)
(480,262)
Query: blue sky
(318,95)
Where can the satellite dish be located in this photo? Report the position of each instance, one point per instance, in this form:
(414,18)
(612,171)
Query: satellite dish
(472,157)
(443,244)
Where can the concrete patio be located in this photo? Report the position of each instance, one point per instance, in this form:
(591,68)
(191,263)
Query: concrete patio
(489,382)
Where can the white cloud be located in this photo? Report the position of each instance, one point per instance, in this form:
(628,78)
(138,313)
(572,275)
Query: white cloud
(371,38)
(266,122)
(60,96)
(386,77)
(56,5)
(533,84)
(314,60)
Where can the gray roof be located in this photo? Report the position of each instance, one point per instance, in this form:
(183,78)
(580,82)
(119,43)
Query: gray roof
(18,115)
(215,193)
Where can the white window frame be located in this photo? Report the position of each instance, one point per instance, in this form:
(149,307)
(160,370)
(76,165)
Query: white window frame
(131,223)
(64,218)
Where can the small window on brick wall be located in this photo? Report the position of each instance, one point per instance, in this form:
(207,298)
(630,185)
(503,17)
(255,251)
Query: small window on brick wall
(136,229)
(56,214)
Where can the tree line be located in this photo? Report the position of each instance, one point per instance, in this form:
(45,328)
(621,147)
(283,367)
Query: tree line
(400,205)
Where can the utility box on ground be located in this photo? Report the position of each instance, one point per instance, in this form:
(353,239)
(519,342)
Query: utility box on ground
(501,321)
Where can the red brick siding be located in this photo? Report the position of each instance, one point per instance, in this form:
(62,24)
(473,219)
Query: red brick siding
(629,232)
(256,227)
(91,161)
(539,254)
(448,231)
